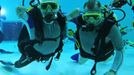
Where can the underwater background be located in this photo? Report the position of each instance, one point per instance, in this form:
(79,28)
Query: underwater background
(11,26)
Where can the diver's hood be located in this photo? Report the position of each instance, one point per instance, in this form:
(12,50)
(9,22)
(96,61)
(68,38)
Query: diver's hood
(92,6)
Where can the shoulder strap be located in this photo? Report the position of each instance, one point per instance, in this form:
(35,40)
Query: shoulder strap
(62,22)
(78,21)
(103,32)
(100,42)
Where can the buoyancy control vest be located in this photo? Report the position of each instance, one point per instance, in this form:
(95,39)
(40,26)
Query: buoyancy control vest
(101,49)
(36,18)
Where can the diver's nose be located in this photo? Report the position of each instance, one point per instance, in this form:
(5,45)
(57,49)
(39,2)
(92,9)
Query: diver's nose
(91,19)
(49,9)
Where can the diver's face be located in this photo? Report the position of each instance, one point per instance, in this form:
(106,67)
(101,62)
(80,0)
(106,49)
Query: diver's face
(94,18)
(49,7)
(49,11)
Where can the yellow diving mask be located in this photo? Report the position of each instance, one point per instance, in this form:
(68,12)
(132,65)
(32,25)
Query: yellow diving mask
(87,15)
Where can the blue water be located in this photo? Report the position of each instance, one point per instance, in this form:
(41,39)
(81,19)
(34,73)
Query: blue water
(65,66)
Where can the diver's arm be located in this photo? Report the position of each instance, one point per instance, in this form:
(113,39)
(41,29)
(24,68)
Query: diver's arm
(117,60)
(21,13)
(118,44)
(75,13)
(116,64)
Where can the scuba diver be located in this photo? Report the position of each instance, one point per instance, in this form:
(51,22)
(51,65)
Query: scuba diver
(130,43)
(98,37)
(120,3)
(123,30)
(42,35)
(126,29)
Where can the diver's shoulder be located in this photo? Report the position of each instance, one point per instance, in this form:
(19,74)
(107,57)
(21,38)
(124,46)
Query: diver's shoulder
(29,9)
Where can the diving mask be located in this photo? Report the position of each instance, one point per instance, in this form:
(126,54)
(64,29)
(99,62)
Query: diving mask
(87,15)
(52,5)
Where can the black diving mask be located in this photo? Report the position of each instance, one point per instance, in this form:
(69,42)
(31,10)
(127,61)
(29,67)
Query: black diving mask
(53,5)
